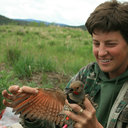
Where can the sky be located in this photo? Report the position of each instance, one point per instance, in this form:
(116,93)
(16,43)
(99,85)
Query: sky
(70,12)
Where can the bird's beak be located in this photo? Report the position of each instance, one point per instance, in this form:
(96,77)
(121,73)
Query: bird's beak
(68,90)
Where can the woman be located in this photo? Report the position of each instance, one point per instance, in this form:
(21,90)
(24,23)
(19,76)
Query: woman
(106,79)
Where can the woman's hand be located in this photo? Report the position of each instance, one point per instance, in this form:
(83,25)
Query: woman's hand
(14,89)
(85,118)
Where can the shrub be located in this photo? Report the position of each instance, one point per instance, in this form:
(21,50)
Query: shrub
(12,55)
(24,67)
(45,64)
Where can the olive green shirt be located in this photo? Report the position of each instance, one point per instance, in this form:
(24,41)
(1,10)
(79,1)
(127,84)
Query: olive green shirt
(103,90)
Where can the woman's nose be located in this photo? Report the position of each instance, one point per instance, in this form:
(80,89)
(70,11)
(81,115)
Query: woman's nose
(102,51)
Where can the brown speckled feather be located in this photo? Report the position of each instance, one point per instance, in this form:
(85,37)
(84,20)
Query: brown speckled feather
(47,104)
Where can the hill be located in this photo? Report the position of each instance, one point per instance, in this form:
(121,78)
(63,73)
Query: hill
(6,20)
(49,23)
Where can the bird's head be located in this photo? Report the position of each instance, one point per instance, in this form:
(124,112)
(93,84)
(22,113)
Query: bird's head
(76,88)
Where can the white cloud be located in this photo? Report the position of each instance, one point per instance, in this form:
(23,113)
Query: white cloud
(71,12)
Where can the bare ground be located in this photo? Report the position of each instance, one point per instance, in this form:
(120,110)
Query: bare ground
(56,79)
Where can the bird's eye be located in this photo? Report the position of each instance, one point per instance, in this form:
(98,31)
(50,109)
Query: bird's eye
(77,88)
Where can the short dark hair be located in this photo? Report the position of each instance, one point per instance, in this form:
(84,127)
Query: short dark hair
(109,16)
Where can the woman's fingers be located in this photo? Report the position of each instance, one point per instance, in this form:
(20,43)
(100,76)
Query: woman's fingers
(84,118)
(73,116)
(75,107)
(14,89)
(27,89)
(6,103)
(6,95)
(89,106)
(77,125)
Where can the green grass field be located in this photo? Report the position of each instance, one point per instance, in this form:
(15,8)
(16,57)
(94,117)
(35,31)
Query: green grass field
(41,56)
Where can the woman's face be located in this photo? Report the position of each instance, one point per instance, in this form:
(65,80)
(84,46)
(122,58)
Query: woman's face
(111,52)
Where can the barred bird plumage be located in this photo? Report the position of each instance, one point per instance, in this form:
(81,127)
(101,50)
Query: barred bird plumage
(48,104)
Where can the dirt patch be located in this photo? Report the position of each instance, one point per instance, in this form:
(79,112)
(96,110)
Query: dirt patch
(40,78)
(54,78)
(2,66)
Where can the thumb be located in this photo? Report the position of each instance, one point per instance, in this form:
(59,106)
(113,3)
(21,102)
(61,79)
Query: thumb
(88,104)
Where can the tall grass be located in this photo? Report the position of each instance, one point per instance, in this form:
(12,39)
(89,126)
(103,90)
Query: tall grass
(12,55)
(6,79)
(29,50)
(24,67)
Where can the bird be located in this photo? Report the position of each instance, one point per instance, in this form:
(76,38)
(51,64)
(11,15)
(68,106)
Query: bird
(49,103)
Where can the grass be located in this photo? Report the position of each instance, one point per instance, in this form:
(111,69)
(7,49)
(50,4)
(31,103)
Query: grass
(5,82)
(30,54)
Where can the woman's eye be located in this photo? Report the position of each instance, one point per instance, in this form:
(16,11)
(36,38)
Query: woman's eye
(111,44)
(96,43)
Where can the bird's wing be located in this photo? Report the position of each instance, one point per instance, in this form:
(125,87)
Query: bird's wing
(47,104)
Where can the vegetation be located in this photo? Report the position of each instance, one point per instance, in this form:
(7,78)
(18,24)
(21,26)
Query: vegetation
(4,20)
(41,56)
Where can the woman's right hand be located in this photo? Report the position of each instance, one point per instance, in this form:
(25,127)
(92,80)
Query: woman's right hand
(14,89)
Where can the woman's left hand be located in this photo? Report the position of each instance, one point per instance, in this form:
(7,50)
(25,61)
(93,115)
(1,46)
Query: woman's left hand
(84,118)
